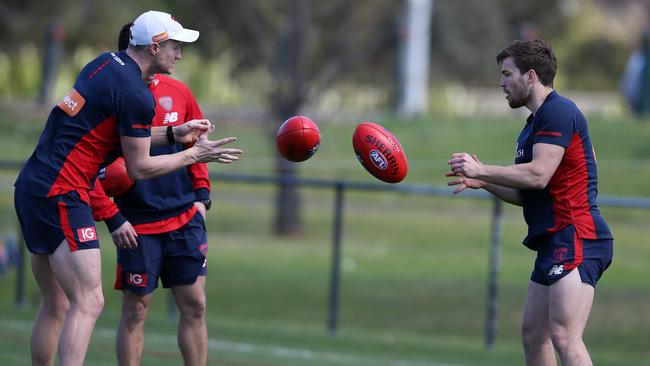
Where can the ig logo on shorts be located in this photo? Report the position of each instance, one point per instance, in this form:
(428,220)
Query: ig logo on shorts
(136,279)
(86,234)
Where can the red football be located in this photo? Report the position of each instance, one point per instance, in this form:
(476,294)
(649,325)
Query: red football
(114,178)
(298,138)
(379,152)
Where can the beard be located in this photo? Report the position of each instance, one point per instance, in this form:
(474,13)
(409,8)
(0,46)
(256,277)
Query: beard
(518,98)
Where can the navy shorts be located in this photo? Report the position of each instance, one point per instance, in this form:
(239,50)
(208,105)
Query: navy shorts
(560,253)
(177,257)
(45,222)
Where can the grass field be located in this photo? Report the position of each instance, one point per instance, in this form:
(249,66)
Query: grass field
(414,268)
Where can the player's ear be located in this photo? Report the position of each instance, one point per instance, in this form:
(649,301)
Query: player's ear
(532,76)
(154,48)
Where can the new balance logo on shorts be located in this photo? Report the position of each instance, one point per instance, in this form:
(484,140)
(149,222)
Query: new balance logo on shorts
(556,270)
(136,279)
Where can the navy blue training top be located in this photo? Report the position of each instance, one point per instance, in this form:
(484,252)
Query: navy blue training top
(109,100)
(168,195)
(570,196)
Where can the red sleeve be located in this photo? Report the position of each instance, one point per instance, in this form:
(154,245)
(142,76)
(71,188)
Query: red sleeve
(103,207)
(198,172)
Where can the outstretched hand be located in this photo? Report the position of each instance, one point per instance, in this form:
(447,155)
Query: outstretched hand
(457,163)
(205,151)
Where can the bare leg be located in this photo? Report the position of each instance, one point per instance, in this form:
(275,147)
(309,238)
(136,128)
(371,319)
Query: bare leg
(130,332)
(538,347)
(569,307)
(192,330)
(51,314)
(79,274)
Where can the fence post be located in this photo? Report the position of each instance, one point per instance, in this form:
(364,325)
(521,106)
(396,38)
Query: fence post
(332,317)
(51,60)
(493,274)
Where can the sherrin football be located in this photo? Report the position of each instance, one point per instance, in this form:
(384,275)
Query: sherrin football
(114,178)
(379,152)
(298,138)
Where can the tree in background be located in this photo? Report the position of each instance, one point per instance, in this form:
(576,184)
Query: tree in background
(306,46)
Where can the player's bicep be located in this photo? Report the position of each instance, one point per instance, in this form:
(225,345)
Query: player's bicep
(546,159)
(136,152)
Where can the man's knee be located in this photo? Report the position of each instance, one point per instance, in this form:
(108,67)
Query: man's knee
(193,308)
(563,338)
(92,303)
(135,308)
(533,334)
(56,306)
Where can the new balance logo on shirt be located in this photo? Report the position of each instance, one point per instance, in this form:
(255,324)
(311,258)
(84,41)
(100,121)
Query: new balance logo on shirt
(171,117)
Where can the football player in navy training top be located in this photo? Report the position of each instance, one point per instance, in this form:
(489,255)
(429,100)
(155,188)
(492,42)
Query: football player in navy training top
(164,236)
(554,180)
(108,112)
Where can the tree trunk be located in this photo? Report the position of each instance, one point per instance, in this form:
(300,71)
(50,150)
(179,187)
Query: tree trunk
(288,218)
(286,98)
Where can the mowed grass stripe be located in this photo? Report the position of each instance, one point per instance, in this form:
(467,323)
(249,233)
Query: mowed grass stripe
(163,346)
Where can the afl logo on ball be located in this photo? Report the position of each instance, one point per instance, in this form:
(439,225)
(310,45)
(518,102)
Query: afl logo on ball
(378,159)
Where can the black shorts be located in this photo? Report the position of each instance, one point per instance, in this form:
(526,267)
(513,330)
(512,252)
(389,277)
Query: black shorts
(176,258)
(560,253)
(45,222)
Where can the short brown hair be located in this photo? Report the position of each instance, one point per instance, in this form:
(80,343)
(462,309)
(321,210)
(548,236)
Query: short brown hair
(532,55)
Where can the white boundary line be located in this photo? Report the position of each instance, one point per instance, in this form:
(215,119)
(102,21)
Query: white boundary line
(250,348)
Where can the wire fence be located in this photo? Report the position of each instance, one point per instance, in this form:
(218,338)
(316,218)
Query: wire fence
(340,187)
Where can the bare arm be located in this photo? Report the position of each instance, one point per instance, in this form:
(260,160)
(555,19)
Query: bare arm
(140,165)
(505,182)
(507,194)
(533,175)
(159,136)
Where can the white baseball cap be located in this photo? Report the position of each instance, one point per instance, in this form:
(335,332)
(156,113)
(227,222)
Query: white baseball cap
(156,26)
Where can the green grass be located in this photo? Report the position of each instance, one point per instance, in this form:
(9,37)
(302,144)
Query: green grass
(414,269)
